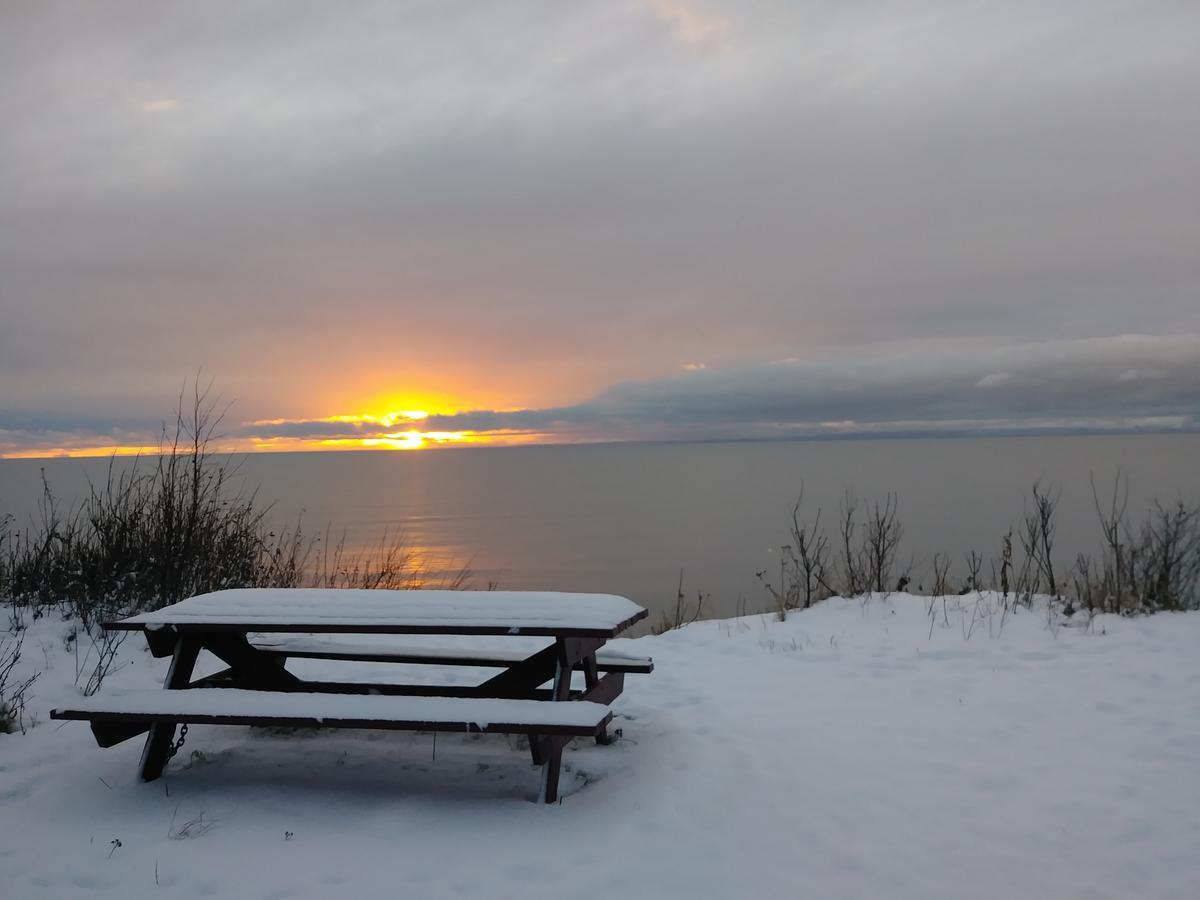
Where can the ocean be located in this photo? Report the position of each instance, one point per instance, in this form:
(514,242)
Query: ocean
(629,518)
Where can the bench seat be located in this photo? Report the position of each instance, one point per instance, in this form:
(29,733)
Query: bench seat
(233,706)
(306,647)
(119,715)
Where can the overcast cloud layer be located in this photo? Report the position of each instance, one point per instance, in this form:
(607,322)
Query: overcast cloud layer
(930,214)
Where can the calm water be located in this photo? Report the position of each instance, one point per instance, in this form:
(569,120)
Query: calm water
(626,518)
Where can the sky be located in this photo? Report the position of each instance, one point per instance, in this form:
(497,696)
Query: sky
(415,224)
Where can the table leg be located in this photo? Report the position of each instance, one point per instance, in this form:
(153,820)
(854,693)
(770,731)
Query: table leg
(591,680)
(158,742)
(553,746)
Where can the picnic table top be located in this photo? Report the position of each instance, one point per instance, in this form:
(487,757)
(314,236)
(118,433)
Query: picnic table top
(317,610)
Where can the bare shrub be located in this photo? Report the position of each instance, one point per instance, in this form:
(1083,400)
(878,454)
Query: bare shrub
(854,573)
(1006,551)
(14,691)
(941,575)
(974,562)
(811,558)
(98,660)
(684,614)
(1166,562)
(1084,582)
(392,565)
(1156,566)
(1037,536)
(42,566)
(881,538)
(178,524)
(162,529)
(784,595)
(804,568)
(195,827)
(1114,575)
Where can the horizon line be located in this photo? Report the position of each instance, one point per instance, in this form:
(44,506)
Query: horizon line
(884,435)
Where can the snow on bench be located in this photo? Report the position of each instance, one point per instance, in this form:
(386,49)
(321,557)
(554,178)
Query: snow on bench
(396,612)
(315,647)
(233,706)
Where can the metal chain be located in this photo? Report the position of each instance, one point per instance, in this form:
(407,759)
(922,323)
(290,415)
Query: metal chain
(178,745)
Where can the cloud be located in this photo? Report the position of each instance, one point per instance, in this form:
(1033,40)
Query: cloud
(1058,385)
(692,26)
(1141,374)
(1049,386)
(519,206)
(993,379)
(43,442)
(161,105)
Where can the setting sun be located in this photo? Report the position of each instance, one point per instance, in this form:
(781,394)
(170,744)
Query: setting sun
(415,440)
(368,430)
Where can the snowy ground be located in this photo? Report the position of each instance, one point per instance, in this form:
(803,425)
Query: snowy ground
(846,752)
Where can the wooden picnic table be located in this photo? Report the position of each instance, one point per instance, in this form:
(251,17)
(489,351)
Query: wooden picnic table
(255,631)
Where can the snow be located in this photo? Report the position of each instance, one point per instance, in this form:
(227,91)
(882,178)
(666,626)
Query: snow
(398,611)
(857,749)
(236,702)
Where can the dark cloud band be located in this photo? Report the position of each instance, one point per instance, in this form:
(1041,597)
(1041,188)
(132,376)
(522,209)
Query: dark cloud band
(1131,382)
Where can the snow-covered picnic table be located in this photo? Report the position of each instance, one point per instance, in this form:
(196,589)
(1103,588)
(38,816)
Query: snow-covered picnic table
(545,613)
(255,631)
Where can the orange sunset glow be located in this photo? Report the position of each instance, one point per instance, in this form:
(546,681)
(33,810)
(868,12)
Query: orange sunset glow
(400,440)
(91,452)
(393,430)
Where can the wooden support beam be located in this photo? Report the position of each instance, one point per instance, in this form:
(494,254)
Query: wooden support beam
(158,742)
(250,668)
(569,652)
(161,641)
(523,678)
(606,690)
(109,734)
(592,682)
